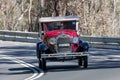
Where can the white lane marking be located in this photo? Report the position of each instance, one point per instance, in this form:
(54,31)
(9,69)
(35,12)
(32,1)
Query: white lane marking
(37,72)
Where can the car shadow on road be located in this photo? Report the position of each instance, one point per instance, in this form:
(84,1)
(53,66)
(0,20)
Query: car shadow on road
(92,66)
(21,52)
(17,71)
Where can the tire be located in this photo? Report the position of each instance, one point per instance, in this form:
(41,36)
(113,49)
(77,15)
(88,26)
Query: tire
(80,61)
(42,64)
(85,61)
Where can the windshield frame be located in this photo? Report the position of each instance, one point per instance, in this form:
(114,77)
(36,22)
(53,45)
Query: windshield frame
(51,26)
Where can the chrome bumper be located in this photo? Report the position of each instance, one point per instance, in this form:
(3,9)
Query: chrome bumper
(55,55)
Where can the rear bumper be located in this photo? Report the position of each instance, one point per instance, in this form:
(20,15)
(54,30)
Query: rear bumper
(57,55)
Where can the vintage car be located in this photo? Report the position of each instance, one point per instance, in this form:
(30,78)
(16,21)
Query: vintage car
(60,40)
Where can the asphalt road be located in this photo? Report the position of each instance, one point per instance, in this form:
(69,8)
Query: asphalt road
(18,62)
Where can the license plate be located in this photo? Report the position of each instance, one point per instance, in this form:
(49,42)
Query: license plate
(64,45)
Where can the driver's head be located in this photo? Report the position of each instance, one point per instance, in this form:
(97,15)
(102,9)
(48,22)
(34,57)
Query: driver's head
(62,26)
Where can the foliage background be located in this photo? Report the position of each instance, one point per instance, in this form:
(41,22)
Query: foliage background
(98,17)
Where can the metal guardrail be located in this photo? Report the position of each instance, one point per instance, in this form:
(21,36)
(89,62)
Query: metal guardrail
(102,39)
(19,36)
(105,42)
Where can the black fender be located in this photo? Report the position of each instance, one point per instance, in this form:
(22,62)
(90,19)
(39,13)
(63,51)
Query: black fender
(85,46)
(40,47)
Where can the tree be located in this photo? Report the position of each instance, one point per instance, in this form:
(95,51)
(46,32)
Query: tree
(97,17)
